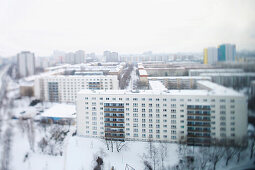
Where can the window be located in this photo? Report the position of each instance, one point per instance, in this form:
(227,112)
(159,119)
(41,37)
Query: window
(135,110)
(173,121)
(173,116)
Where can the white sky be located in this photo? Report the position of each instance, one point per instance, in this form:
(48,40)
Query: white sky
(130,26)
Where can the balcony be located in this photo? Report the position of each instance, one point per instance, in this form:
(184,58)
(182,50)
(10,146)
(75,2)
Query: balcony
(199,114)
(110,136)
(109,126)
(111,121)
(197,130)
(107,115)
(113,131)
(106,111)
(202,120)
(199,125)
(114,107)
(197,136)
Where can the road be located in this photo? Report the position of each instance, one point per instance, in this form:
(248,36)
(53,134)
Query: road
(133,79)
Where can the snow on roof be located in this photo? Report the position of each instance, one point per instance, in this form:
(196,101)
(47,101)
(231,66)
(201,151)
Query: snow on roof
(143,73)
(60,111)
(218,89)
(181,77)
(216,70)
(163,68)
(157,85)
(214,90)
(249,74)
(48,73)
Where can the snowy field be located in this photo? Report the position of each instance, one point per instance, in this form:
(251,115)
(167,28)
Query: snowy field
(79,153)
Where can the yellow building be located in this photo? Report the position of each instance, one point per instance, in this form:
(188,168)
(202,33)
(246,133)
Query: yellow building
(205,56)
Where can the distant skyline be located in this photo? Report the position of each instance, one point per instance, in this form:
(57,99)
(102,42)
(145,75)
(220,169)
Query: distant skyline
(160,26)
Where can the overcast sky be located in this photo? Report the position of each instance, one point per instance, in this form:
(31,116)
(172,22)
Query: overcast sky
(130,26)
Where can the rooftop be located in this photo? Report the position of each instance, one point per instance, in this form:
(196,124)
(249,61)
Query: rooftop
(216,70)
(181,77)
(249,74)
(214,90)
(60,111)
(157,85)
(143,73)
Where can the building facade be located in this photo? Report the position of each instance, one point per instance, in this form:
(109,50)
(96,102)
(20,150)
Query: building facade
(60,88)
(195,116)
(227,52)
(26,63)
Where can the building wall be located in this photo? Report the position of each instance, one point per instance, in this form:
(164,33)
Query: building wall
(197,72)
(164,117)
(68,86)
(26,63)
(212,55)
(205,56)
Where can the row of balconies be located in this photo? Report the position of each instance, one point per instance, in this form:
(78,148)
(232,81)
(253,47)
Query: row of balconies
(113,115)
(205,124)
(113,120)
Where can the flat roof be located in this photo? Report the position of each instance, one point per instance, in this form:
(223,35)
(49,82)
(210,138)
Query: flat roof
(60,111)
(143,73)
(44,74)
(244,74)
(215,90)
(181,77)
(157,85)
(216,70)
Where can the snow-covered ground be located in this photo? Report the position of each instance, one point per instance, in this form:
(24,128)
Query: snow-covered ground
(134,78)
(74,152)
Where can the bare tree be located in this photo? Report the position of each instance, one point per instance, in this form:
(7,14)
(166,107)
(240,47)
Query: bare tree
(120,145)
(252,145)
(240,146)
(6,153)
(163,153)
(202,158)
(42,144)
(30,133)
(215,153)
(229,150)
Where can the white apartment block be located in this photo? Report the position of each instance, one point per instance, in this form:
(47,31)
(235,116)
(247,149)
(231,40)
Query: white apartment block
(197,72)
(197,116)
(26,63)
(62,88)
